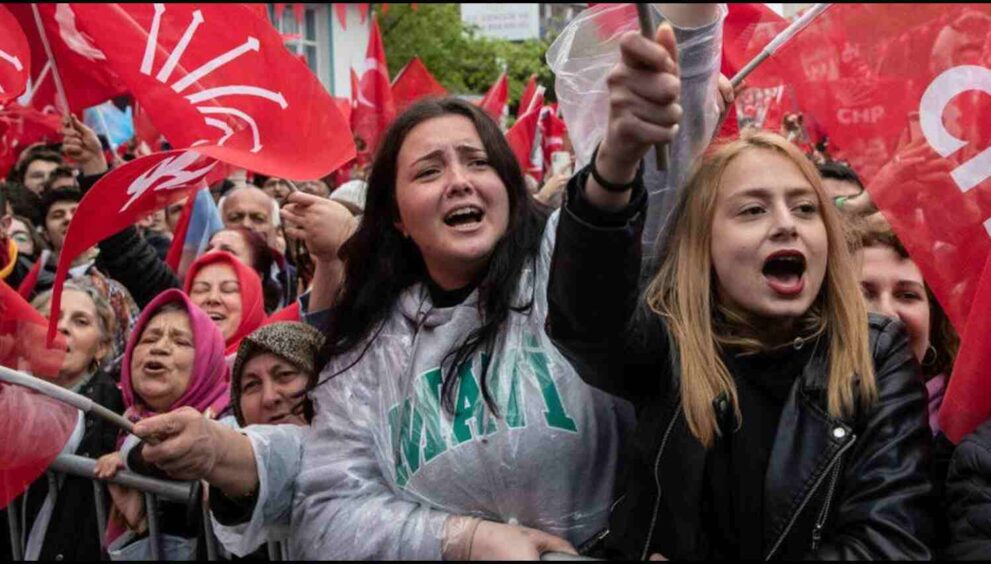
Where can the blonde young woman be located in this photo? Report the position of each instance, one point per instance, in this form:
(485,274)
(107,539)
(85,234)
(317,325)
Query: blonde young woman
(775,419)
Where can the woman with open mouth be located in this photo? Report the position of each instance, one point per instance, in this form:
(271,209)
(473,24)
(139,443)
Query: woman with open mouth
(775,418)
(174,359)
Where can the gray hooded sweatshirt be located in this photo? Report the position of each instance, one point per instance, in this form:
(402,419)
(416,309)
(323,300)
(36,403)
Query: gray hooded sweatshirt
(383,464)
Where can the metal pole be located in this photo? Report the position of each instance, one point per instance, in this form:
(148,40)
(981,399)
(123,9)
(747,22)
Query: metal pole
(154,532)
(14,528)
(662,152)
(101,509)
(211,544)
(82,466)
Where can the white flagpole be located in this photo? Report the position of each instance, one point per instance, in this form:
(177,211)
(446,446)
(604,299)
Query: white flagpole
(60,90)
(782,38)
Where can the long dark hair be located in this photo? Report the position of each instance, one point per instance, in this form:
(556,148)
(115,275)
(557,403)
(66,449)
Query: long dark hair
(380,262)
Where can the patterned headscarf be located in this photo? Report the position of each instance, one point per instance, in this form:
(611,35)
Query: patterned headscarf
(297,343)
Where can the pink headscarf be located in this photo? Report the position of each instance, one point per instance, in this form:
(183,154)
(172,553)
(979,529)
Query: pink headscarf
(209,384)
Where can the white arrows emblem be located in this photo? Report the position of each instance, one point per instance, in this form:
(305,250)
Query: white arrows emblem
(170,174)
(74,38)
(251,44)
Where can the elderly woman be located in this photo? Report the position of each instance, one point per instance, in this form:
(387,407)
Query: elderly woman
(251,249)
(60,521)
(175,358)
(273,367)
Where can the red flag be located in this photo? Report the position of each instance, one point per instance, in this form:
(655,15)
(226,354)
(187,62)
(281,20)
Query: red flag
(612,19)
(280,8)
(553,131)
(124,195)
(21,127)
(902,92)
(33,431)
(523,138)
(82,66)
(344,106)
(299,11)
(413,82)
(526,99)
(342,14)
(363,9)
(496,98)
(22,338)
(15,57)
(195,68)
(747,29)
(375,108)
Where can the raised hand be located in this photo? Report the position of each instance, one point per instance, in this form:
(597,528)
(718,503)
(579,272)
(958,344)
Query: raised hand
(324,225)
(644,89)
(81,144)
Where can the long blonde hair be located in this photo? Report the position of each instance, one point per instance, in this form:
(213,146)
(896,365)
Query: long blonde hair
(682,293)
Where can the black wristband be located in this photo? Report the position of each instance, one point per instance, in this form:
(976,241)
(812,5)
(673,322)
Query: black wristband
(612,186)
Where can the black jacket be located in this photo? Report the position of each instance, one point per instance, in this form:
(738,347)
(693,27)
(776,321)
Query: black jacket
(129,259)
(72,533)
(834,489)
(968,497)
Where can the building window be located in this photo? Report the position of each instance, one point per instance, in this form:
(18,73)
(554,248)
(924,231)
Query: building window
(308,40)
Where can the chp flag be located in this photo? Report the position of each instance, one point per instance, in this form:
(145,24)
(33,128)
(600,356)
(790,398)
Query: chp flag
(903,92)
(218,78)
(15,57)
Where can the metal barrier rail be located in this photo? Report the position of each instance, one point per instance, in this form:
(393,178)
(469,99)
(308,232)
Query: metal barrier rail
(153,490)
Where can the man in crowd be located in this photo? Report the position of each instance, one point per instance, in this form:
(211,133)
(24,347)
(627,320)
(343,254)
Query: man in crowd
(277,189)
(253,209)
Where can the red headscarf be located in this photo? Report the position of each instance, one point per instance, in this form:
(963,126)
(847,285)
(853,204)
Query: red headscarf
(252,298)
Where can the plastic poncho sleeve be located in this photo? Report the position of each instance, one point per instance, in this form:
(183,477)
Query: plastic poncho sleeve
(345,506)
(277,450)
(581,58)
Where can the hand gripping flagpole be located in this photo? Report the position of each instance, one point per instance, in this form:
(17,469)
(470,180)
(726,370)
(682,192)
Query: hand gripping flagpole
(772,47)
(791,31)
(80,402)
(51,59)
(662,151)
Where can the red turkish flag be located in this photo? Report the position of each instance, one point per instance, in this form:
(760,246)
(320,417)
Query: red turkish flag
(553,131)
(342,14)
(904,94)
(22,127)
(524,139)
(15,57)
(218,76)
(82,66)
(526,99)
(124,195)
(495,100)
(375,108)
(414,82)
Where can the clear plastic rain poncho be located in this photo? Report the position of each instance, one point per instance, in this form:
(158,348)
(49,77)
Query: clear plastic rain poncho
(581,58)
(384,465)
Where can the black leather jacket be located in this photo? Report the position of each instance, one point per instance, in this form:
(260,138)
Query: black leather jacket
(968,497)
(855,488)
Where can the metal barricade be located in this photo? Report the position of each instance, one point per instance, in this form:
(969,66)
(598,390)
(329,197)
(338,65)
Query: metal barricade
(153,490)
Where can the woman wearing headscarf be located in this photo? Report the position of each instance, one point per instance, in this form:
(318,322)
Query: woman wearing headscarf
(273,367)
(60,522)
(175,358)
(230,293)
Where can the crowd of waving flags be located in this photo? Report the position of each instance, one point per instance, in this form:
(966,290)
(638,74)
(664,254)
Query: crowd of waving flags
(192,71)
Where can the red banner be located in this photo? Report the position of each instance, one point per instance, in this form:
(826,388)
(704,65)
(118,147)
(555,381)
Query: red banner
(495,100)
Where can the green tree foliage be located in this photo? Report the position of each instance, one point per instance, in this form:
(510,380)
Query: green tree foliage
(461,60)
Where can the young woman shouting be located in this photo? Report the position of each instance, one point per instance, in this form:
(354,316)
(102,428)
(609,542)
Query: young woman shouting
(775,419)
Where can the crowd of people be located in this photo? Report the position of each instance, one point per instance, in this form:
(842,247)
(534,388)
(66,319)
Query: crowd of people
(441,360)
